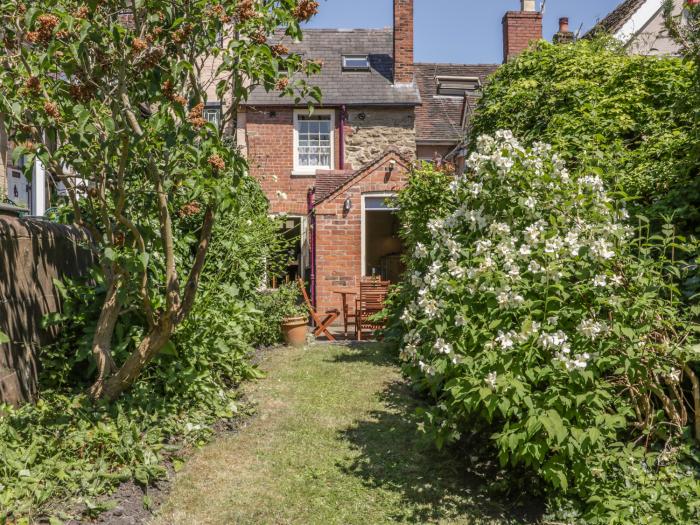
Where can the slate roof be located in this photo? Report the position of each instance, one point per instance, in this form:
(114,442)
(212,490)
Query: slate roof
(374,87)
(617,18)
(440,118)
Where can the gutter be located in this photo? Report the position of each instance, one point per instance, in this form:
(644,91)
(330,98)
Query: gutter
(341,138)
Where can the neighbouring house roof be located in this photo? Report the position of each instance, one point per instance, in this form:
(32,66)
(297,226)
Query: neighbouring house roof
(442,119)
(617,18)
(373,87)
(328,182)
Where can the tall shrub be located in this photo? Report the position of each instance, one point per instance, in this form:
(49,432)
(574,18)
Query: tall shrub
(109,96)
(630,118)
(536,313)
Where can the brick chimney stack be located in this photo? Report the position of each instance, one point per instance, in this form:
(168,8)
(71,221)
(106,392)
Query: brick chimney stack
(520,28)
(564,36)
(403,42)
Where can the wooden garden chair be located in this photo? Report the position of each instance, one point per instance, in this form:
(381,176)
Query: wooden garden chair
(372,300)
(320,324)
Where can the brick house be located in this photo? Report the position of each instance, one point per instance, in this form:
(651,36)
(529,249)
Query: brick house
(332,172)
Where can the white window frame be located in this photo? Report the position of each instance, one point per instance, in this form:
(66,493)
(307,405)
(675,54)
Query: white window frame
(213,106)
(311,170)
(347,67)
(363,235)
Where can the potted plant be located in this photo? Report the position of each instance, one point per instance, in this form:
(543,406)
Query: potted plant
(293,314)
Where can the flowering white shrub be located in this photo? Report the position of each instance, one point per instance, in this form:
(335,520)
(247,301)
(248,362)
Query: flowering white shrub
(532,309)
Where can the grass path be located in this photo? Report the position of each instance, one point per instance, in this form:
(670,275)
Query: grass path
(333,443)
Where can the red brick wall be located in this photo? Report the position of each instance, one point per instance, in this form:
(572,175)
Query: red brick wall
(339,234)
(270,145)
(403,42)
(520,28)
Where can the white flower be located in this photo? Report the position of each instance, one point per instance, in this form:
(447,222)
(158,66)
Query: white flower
(409,353)
(506,339)
(421,251)
(442,347)
(525,250)
(456,270)
(603,249)
(499,228)
(460,320)
(436,225)
(600,281)
(553,246)
(534,267)
(531,202)
(427,369)
(429,306)
(491,380)
(483,246)
(554,340)
(475,188)
(616,280)
(592,329)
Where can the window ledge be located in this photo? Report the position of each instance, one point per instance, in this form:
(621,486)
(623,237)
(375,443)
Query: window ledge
(303,173)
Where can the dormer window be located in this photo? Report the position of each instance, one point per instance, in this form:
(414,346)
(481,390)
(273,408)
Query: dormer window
(355,63)
(457,86)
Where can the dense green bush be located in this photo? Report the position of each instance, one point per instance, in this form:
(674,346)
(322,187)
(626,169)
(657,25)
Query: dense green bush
(631,118)
(67,446)
(535,314)
(275,306)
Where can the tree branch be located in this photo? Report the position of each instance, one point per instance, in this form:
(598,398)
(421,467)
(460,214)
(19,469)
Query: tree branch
(198,266)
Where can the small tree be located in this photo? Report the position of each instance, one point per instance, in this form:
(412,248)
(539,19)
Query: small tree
(109,96)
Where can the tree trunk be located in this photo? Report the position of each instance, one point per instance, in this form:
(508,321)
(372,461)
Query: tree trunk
(102,340)
(149,347)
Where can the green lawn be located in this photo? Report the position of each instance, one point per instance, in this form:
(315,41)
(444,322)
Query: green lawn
(334,441)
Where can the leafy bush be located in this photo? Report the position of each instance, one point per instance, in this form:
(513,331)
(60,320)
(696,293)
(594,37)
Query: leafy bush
(67,446)
(275,306)
(535,314)
(631,118)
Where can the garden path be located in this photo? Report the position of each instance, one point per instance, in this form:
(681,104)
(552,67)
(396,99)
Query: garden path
(334,441)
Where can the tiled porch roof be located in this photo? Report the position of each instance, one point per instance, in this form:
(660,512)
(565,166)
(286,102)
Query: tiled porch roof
(328,182)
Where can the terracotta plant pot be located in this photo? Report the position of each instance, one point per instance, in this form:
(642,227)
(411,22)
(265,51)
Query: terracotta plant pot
(295,330)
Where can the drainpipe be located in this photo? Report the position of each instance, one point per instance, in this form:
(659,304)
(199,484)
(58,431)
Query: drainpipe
(341,139)
(310,198)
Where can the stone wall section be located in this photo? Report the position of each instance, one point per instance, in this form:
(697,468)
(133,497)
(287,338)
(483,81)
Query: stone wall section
(372,131)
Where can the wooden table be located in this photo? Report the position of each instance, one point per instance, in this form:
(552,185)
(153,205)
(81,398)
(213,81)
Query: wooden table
(346,308)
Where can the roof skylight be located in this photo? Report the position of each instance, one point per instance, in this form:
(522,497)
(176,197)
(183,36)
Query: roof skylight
(355,63)
(457,86)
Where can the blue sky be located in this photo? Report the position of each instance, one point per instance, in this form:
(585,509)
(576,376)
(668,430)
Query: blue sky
(458,31)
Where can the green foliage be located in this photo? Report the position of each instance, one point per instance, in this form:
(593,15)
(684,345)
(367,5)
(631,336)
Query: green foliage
(109,96)
(66,447)
(535,314)
(632,117)
(275,306)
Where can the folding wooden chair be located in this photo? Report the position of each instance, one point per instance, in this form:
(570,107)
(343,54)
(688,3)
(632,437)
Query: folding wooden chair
(321,325)
(372,300)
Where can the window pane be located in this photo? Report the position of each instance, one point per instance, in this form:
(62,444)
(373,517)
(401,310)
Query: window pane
(314,148)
